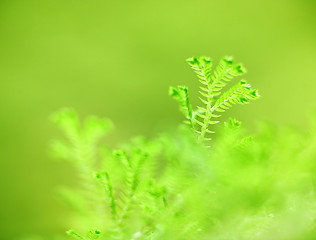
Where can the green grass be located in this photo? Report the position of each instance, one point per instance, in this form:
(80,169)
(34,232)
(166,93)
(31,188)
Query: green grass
(177,187)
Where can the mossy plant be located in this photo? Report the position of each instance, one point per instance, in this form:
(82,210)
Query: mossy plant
(214,99)
(174,187)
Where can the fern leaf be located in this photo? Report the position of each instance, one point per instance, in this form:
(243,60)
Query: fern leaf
(133,166)
(225,71)
(202,66)
(211,93)
(104,178)
(122,156)
(181,94)
(239,94)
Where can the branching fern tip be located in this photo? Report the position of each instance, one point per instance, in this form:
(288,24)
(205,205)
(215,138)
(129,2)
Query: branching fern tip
(215,99)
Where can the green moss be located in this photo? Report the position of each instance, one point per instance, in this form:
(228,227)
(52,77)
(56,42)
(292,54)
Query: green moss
(173,187)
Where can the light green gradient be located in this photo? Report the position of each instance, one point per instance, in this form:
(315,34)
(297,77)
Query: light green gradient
(117,59)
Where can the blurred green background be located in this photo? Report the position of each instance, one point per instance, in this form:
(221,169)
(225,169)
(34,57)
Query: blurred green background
(117,59)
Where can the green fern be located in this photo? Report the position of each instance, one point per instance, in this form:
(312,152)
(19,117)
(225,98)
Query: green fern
(213,98)
(104,178)
(119,183)
(245,187)
(181,94)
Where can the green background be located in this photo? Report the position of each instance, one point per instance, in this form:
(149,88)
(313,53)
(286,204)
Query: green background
(117,59)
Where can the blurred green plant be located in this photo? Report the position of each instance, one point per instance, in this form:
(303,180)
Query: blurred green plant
(172,187)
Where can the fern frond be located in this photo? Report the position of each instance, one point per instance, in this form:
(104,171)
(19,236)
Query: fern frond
(225,72)
(211,93)
(81,148)
(202,67)
(82,139)
(241,93)
(181,95)
(122,157)
(104,178)
(132,169)
(232,123)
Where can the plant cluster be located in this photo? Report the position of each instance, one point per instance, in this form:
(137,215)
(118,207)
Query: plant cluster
(173,187)
(214,99)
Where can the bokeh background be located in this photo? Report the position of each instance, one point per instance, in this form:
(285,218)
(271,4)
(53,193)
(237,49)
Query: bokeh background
(117,59)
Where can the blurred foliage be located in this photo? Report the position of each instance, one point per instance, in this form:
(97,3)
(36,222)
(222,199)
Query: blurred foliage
(244,187)
(117,59)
